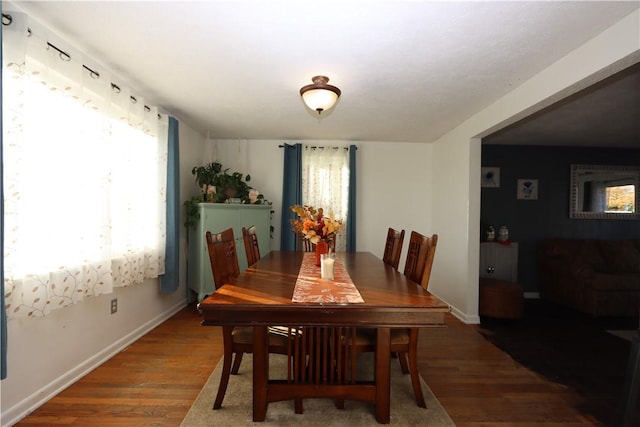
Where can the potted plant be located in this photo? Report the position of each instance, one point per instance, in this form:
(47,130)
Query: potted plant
(233,186)
(207,176)
(218,185)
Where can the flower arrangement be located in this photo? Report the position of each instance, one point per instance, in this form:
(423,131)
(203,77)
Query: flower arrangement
(314,225)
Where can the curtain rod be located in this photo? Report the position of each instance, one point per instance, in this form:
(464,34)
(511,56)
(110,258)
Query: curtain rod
(314,146)
(94,74)
(7,19)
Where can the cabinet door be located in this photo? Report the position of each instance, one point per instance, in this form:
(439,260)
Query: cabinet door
(499,261)
(199,277)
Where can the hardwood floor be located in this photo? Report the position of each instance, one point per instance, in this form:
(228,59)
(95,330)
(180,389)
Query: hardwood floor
(155,380)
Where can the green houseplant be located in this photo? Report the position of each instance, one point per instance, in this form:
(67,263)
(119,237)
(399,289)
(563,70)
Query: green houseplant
(206,176)
(218,185)
(234,185)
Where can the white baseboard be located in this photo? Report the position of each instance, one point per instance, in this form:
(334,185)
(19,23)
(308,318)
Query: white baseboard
(475,320)
(470,320)
(17,412)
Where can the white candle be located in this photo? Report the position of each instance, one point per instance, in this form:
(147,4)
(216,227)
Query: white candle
(326,268)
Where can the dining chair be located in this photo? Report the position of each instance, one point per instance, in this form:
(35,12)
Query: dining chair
(304,245)
(404,341)
(236,339)
(393,247)
(251,247)
(420,255)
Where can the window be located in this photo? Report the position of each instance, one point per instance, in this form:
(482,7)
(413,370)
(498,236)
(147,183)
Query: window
(85,177)
(620,198)
(325,183)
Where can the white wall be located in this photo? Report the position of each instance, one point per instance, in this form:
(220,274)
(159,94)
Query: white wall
(394,189)
(47,354)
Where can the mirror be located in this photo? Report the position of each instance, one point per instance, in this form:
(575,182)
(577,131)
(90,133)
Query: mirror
(604,192)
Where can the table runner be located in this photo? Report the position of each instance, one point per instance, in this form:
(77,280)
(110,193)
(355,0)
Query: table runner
(310,288)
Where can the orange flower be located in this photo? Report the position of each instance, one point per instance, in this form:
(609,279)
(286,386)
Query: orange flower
(313,224)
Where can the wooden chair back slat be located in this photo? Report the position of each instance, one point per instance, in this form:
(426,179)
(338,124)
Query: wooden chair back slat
(251,247)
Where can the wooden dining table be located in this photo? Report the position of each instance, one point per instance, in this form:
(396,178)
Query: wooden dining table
(261,297)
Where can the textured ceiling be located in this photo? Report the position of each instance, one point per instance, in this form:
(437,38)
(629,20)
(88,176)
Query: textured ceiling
(605,114)
(408,70)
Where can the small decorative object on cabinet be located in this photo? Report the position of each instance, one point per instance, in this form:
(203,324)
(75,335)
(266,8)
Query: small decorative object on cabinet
(503,234)
(490,234)
(499,261)
(215,217)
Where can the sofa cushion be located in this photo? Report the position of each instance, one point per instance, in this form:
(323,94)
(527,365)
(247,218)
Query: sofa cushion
(571,250)
(613,282)
(620,256)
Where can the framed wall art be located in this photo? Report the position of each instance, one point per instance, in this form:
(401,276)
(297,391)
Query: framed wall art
(527,189)
(490,177)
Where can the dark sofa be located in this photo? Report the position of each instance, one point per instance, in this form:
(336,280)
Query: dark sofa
(597,277)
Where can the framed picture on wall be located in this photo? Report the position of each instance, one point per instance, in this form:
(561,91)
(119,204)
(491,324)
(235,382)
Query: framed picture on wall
(527,189)
(490,177)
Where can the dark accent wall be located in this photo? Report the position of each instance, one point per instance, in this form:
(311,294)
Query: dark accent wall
(530,221)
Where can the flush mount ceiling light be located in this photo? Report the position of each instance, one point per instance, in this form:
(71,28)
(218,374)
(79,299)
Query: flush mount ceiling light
(320,96)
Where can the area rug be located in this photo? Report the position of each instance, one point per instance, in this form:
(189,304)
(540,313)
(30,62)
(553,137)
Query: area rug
(624,334)
(236,407)
(572,349)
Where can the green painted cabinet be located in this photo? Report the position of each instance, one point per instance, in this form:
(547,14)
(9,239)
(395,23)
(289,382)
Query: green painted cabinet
(216,217)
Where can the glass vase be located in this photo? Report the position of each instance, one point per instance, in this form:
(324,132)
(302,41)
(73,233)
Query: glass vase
(322,247)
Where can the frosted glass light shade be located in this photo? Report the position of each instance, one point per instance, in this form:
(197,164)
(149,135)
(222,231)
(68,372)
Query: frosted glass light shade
(320,96)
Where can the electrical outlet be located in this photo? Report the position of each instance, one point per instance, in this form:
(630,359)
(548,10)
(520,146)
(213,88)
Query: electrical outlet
(114,305)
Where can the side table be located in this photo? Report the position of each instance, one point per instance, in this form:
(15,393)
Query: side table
(501,299)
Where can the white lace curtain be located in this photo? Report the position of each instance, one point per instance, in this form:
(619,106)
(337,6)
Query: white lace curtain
(325,183)
(84,173)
